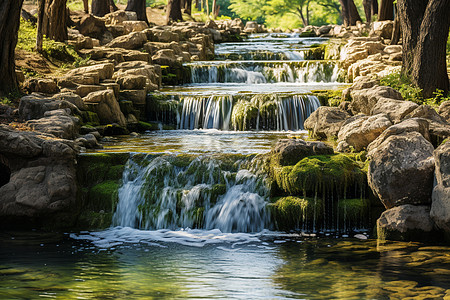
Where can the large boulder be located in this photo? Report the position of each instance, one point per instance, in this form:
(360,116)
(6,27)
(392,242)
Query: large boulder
(103,71)
(105,105)
(35,106)
(401,169)
(41,190)
(325,122)
(396,110)
(290,151)
(440,206)
(151,72)
(363,100)
(41,85)
(166,57)
(359,131)
(382,29)
(406,222)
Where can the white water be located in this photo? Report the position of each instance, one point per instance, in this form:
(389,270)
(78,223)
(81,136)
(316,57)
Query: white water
(158,194)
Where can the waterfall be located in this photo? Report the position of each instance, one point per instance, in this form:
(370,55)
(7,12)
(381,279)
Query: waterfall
(187,191)
(256,72)
(253,112)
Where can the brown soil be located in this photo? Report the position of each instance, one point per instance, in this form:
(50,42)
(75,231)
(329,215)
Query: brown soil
(33,62)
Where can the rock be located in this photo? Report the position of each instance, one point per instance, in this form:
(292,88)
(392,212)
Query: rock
(426,112)
(406,222)
(104,71)
(396,57)
(35,106)
(444,110)
(88,24)
(440,206)
(161,35)
(391,49)
(106,106)
(138,97)
(89,141)
(363,100)
(133,26)
(42,186)
(84,90)
(132,82)
(401,169)
(117,17)
(56,122)
(41,85)
(130,41)
(211,24)
(166,57)
(136,55)
(324,29)
(325,122)
(290,151)
(396,110)
(382,29)
(359,131)
(409,125)
(96,53)
(151,72)
(70,97)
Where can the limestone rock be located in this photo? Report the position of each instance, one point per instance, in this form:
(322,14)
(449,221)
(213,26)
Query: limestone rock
(401,169)
(18,143)
(70,97)
(444,110)
(117,17)
(440,206)
(363,100)
(391,49)
(41,85)
(130,41)
(151,72)
(291,151)
(325,122)
(35,106)
(166,57)
(132,82)
(409,125)
(106,106)
(426,112)
(133,26)
(138,97)
(104,71)
(88,24)
(396,110)
(383,28)
(84,90)
(359,131)
(56,122)
(405,222)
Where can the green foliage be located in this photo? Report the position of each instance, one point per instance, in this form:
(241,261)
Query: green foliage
(411,92)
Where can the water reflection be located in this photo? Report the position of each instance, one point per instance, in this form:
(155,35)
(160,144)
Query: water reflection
(36,266)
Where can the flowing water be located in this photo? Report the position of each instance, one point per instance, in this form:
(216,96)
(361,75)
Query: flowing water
(192,218)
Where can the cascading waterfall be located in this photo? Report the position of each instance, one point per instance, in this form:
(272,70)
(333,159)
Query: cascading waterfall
(254,112)
(185,191)
(257,72)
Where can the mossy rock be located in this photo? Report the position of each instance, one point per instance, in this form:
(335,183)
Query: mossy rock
(90,118)
(91,220)
(293,213)
(103,196)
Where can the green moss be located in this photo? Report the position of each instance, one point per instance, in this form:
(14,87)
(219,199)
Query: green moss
(103,196)
(94,220)
(353,209)
(144,126)
(243,113)
(294,212)
(90,118)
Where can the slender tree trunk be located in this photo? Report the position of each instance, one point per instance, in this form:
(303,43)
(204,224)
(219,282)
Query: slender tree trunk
(386,11)
(173,11)
(214,9)
(112,6)
(207,7)
(9,26)
(139,7)
(425,27)
(52,21)
(188,7)
(370,9)
(86,6)
(302,16)
(396,32)
(100,8)
(350,13)
(374,7)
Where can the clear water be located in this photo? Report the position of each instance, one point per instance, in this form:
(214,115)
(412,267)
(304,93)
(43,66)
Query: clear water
(132,264)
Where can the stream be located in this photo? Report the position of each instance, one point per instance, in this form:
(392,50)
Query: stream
(191,221)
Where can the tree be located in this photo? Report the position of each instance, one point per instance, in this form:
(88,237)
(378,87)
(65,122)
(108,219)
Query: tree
(386,11)
(52,21)
(350,13)
(370,9)
(9,26)
(299,8)
(425,28)
(173,11)
(86,6)
(100,8)
(139,7)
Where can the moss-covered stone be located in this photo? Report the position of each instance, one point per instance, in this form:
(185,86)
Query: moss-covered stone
(295,213)
(243,113)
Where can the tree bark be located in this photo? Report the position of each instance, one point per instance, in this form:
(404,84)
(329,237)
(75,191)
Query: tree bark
(370,9)
(9,26)
(188,6)
(425,27)
(173,11)
(112,6)
(350,13)
(214,7)
(86,6)
(52,21)
(139,7)
(396,32)
(386,11)
(100,8)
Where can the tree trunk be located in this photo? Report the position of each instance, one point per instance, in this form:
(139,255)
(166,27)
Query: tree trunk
(396,32)
(214,9)
(173,11)
(386,11)
(9,26)
(425,27)
(100,8)
(207,7)
(52,21)
(112,6)
(350,13)
(139,7)
(370,9)
(188,6)
(86,6)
